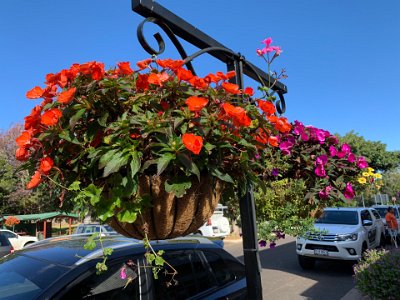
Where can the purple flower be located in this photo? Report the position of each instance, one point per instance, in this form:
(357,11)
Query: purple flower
(272,245)
(332,151)
(275,172)
(257,156)
(262,243)
(349,192)
(320,135)
(341,154)
(361,162)
(305,137)
(351,158)
(320,171)
(286,147)
(298,128)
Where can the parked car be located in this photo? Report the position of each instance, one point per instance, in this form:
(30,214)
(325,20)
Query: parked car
(60,268)
(18,241)
(383,209)
(5,246)
(216,226)
(341,233)
(104,229)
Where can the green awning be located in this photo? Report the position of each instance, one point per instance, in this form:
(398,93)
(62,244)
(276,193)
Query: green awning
(43,216)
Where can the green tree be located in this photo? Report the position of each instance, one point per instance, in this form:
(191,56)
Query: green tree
(374,151)
(391,186)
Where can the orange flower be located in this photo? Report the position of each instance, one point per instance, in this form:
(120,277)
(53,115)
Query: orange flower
(267,107)
(192,142)
(24,139)
(36,179)
(125,68)
(158,78)
(51,116)
(21,154)
(231,88)
(230,74)
(196,103)
(282,124)
(238,115)
(46,164)
(198,83)
(35,93)
(170,63)
(143,64)
(273,141)
(212,78)
(66,96)
(184,74)
(33,119)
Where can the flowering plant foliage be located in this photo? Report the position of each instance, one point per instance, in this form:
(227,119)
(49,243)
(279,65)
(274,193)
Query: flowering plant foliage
(96,132)
(11,221)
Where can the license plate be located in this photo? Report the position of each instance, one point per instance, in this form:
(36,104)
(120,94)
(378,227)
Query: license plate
(321,252)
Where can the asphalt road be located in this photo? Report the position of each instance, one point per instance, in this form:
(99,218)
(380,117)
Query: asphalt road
(283,279)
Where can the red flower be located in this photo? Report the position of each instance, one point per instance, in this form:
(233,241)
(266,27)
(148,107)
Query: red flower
(212,78)
(22,154)
(125,68)
(142,82)
(230,74)
(36,179)
(33,119)
(198,83)
(238,115)
(66,96)
(192,142)
(248,91)
(158,78)
(267,107)
(51,116)
(170,63)
(35,93)
(24,139)
(196,103)
(143,64)
(184,74)
(231,88)
(46,164)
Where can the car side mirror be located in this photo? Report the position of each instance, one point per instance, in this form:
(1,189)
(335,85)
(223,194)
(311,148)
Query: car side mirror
(367,223)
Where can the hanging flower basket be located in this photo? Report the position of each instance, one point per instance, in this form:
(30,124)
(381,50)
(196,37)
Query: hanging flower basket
(170,216)
(149,150)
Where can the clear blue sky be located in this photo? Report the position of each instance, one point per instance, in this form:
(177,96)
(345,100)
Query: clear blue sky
(341,56)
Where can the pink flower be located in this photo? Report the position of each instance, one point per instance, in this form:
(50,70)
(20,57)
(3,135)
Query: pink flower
(320,171)
(341,154)
(324,193)
(345,148)
(332,151)
(362,163)
(122,273)
(351,158)
(349,192)
(321,160)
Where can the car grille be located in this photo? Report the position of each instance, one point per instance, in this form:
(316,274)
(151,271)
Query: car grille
(323,237)
(323,247)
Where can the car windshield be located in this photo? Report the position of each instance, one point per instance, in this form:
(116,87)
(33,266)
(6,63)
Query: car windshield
(23,278)
(383,211)
(338,217)
(109,228)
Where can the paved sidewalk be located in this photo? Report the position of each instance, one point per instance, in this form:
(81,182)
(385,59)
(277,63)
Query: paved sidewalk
(354,294)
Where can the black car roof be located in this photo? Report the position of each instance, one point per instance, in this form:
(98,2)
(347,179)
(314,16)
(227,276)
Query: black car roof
(69,250)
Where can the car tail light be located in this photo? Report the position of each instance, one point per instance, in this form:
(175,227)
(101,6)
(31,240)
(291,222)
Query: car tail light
(209,223)
(11,249)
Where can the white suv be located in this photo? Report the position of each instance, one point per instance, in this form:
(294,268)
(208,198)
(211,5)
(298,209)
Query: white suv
(217,225)
(341,233)
(382,210)
(18,241)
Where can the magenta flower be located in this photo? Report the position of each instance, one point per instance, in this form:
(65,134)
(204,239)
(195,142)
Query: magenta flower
(351,158)
(286,146)
(324,193)
(362,163)
(320,135)
(320,171)
(321,160)
(122,273)
(332,151)
(349,192)
(345,148)
(341,154)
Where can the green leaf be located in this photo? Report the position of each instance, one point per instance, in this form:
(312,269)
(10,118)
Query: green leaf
(115,164)
(135,163)
(178,186)
(148,163)
(69,137)
(103,119)
(75,118)
(93,193)
(128,216)
(189,164)
(178,121)
(163,161)
(209,146)
(75,186)
(105,158)
(107,251)
(225,177)
(159,261)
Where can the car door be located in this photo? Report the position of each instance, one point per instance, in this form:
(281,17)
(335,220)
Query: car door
(13,238)
(371,230)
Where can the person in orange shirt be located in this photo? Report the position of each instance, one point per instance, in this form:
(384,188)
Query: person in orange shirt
(392,224)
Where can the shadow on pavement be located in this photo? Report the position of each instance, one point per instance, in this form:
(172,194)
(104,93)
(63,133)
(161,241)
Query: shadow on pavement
(283,278)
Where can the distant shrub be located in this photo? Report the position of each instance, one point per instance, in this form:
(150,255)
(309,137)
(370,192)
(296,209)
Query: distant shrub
(378,274)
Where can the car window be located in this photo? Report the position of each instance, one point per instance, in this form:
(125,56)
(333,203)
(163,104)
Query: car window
(111,284)
(9,235)
(366,215)
(338,217)
(376,214)
(224,267)
(24,278)
(4,241)
(193,277)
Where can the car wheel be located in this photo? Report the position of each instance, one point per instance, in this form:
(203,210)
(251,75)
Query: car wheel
(382,241)
(305,262)
(363,250)
(28,243)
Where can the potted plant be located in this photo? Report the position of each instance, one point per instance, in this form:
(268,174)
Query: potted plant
(148,150)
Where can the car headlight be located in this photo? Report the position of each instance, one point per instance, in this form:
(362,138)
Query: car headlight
(347,237)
